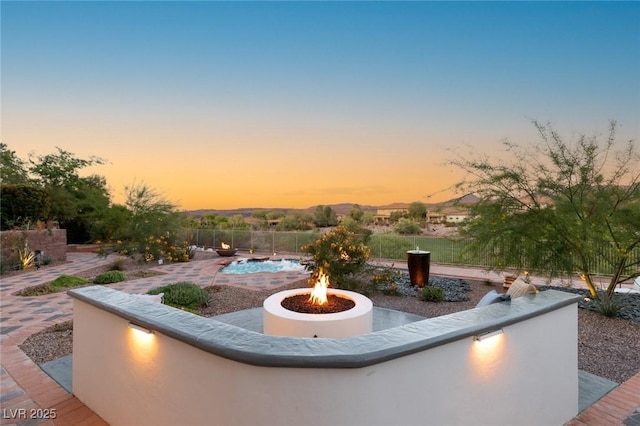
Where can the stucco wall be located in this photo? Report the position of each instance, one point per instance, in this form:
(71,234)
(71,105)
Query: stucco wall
(527,376)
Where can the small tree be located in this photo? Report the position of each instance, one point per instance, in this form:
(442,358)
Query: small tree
(356,213)
(324,216)
(395,216)
(558,208)
(417,211)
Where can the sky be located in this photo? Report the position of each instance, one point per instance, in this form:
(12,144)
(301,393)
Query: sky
(293,104)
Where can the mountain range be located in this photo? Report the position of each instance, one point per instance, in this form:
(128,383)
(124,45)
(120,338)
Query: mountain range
(341,208)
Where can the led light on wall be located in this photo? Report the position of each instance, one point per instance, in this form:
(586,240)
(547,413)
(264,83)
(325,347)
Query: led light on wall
(140,328)
(487,335)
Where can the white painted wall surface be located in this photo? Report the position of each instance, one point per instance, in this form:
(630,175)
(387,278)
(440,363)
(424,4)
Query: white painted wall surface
(528,376)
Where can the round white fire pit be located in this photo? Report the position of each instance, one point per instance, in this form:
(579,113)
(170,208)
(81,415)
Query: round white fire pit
(278,321)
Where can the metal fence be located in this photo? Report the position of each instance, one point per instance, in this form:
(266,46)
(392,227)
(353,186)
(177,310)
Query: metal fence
(383,246)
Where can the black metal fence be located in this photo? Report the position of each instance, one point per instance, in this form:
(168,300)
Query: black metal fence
(383,246)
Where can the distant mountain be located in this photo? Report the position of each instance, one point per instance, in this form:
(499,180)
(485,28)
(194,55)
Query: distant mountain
(230,212)
(344,208)
(467,200)
(340,209)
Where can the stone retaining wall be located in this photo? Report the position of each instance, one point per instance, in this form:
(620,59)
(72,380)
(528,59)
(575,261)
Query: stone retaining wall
(52,242)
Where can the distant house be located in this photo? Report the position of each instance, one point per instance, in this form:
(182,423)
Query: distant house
(457,217)
(436,217)
(382,216)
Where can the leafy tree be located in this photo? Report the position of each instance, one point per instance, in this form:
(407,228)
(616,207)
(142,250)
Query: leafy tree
(23,204)
(352,225)
(356,213)
(76,202)
(417,211)
(559,208)
(12,169)
(60,169)
(274,215)
(114,225)
(368,218)
(294,222)
(395,216)
(259,214)
(324,216)
(237,222)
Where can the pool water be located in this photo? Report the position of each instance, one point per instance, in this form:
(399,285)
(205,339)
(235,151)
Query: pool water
(245,266)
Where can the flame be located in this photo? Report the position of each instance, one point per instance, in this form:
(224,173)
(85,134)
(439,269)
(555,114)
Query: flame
(318,295)
(225,245)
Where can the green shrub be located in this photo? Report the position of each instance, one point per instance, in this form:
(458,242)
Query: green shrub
(339,253)
(184,295)
(407,228)
(432,294)
(606,305)
(110,277)
(385,279)
(66,281)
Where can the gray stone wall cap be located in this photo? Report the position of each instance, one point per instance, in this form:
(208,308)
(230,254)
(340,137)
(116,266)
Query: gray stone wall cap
(254,348)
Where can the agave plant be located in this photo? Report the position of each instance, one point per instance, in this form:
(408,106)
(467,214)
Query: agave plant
(26,257)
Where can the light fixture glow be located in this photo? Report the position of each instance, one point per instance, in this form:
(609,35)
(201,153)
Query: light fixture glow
(140,328)
(487,335)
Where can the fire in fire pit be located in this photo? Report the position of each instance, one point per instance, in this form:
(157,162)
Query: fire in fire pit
(226,250)
(319,302)
(298,313)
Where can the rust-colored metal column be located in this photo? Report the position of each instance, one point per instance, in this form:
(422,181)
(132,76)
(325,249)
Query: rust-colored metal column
(418,262)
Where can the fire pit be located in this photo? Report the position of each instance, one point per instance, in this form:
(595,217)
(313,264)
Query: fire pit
(226,250)
(317,312)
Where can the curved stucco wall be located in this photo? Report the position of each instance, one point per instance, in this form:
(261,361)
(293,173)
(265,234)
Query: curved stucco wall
(199,371)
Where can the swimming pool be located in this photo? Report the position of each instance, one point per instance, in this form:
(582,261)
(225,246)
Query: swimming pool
(248,266)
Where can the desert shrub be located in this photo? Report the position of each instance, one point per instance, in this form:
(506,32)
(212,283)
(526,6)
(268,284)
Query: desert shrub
(385,279)
(62,326)
(339,253)
(66,281)
(407,228)
(8,266)
(152,249)
(117,265)
(184,295)
(110,277)
(37,290)
(432,294)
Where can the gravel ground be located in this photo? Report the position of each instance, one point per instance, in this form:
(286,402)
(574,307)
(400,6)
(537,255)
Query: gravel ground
(607,347)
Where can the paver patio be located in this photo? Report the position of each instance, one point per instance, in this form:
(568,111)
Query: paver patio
(28,395)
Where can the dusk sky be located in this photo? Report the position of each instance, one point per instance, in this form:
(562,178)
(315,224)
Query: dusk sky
(293,104)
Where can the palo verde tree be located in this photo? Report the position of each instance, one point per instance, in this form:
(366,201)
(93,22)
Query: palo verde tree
(558,208)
